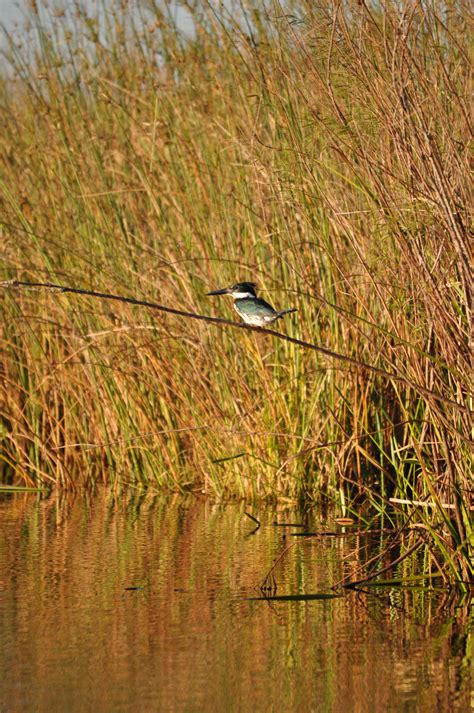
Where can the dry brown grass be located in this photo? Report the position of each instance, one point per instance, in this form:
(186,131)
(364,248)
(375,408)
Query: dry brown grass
(321,151)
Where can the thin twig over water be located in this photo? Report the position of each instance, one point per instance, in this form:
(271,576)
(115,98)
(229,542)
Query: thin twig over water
(52,287)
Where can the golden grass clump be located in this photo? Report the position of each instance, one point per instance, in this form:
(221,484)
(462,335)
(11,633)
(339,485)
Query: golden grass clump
(318,149)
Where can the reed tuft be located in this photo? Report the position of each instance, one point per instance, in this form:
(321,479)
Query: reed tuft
(320,149)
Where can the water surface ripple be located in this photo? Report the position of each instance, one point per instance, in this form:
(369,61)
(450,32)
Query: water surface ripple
(125,604)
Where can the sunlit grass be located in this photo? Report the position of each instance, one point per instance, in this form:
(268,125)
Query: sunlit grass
(323,155)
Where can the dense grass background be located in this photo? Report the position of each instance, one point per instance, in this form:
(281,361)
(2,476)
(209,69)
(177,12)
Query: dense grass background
(318,149)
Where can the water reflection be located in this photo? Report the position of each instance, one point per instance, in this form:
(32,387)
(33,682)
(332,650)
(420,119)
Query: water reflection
(120,603)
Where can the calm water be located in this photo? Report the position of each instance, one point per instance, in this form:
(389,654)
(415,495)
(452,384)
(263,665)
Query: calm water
(74,636)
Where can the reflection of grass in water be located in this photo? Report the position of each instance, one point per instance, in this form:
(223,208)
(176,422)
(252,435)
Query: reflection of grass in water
(325,159)
(74,557)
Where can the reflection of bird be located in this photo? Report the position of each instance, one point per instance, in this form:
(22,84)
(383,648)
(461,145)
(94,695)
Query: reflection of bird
(252,309)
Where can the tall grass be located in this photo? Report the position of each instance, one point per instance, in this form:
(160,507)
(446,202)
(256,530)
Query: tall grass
(319,149)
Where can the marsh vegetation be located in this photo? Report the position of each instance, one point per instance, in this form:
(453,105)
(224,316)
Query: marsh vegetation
(319,149)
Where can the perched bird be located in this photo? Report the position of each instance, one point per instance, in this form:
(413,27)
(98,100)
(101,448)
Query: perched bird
(248,306)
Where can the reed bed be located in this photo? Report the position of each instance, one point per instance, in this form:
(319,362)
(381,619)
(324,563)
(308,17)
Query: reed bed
(320,150)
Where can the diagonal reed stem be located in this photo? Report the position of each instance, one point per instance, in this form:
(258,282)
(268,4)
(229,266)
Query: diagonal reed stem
(52,287)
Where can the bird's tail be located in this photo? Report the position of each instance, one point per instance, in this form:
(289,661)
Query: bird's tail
(286,311)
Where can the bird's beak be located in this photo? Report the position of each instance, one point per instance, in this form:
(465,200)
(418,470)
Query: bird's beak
(224,291)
